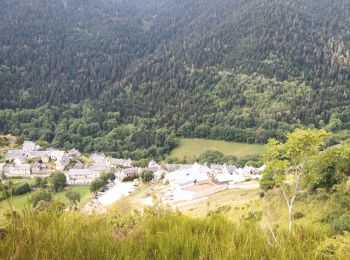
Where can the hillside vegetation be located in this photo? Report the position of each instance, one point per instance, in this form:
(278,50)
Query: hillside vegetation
(79,73)
(157,235)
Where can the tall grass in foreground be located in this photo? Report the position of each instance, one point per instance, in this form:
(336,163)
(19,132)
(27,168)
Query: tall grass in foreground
(155,235)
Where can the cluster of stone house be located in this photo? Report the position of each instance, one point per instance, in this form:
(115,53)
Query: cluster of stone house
(187,175)
(19,163)
(181,175)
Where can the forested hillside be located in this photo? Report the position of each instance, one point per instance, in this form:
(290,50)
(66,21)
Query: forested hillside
(106,74)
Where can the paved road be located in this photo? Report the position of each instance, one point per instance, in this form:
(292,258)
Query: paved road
(115,193)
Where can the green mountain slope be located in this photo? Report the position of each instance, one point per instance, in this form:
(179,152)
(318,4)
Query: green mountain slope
(228,69)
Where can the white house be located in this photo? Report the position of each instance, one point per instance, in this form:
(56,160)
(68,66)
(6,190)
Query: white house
(62,163)
(78,165)
(73,153)
(55,154)
(261,169)
(30,146)
(128,172)
(189,176)
(100,158)
(17,169)
(217,168)
(81,176)
(115,162)
(14,154)
(19,160)
(153,166)
(229,168)
(37,168)
(227,178)
(97,167)
(172,166)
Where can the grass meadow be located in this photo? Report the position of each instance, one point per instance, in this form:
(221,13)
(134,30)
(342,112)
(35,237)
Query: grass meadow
(192,148)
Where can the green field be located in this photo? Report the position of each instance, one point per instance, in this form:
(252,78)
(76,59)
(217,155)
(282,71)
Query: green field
(192,148)
(20,202)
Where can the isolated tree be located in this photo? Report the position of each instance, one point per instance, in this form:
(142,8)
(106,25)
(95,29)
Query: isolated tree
(147,176)
(108,176)
(291,159)
(74,197)
(96,185)
(40,195)
(58,181)
(211,157)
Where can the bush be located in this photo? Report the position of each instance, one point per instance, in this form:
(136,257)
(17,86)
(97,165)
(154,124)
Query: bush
(40,183)
(298,215)
(322,197)
(102,181)
(147,176)
(108,176)
(140,163)
(97,185)
(130,178)
(54,206)
(312,187)
(341,223)
(262,194)
(40,195)
(22,189)
(337,247)
(267,181)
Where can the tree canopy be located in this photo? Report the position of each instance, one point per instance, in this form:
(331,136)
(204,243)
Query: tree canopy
(127,77)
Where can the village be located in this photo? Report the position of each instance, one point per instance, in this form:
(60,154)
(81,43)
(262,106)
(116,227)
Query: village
(177,183)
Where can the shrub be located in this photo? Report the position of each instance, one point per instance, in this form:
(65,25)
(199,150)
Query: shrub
(337,247)
(147,176)
(52,206)
(40,183)
(140,163)
(298,215)
(108,176)
(322,197)
(267,181)
(312,187)
(130,178)
(262,194)
(97,184)
(254,216)
(38,196)
(22,189)
(341,223)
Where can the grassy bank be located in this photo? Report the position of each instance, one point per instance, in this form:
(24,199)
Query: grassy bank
(156,235)
(192,148)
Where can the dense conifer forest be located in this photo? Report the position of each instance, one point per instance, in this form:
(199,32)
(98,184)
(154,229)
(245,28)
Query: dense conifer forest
(129,76)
